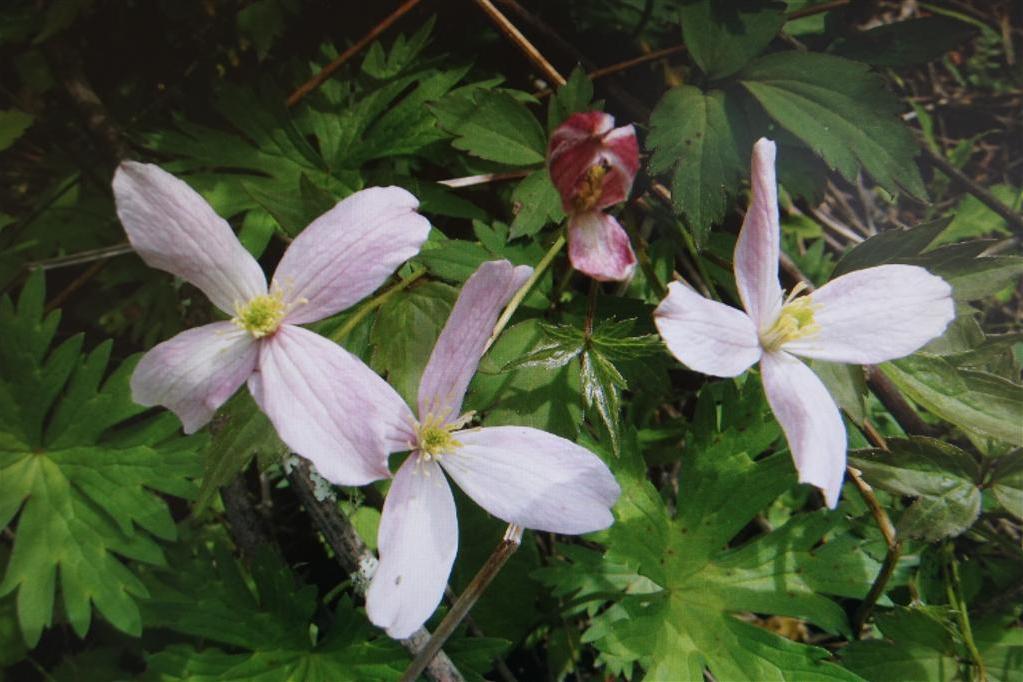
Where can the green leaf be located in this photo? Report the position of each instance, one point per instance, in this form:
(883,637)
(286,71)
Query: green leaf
(974,219)
(1007,482)
(701,136)
(262,22)
(602,386)
(942,477)
(979,403)
(723,36)
(82,486)
(404,333)
(571,98)
(267,614)
(536,204)
(13,123)
(846,384)
(890,246)
(501,129)
(921,645)
(840,110)
(691,623)
(240,431)
(903,43)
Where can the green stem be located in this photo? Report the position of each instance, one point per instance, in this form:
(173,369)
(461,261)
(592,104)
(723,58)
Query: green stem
(955,598)
(694,254)
(516,300)
(369,306)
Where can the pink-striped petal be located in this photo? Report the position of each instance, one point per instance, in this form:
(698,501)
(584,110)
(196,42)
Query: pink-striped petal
(533,479)
(599,248)
(757,251)
(460,346)
(877,314)
(195,372)
(810,419)
(329,407)
(705,335)
(173,228)
(418,540)
(349,251)
(584,141)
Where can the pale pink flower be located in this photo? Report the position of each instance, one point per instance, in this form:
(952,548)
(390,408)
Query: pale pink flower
(592,165)
(520,475)
(863,317)
(293,374)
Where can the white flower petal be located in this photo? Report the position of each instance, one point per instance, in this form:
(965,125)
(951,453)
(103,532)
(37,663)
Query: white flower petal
(329,407)
(810,419)
(533,479)
(757,251)
(195,372)
(705,335)
(877,314)
(173,228)
(418,540)
(457,354)
(349,251)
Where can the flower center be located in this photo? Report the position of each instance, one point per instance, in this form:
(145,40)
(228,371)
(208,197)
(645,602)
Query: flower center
(795,321)
(589,188)
(262,315)
(435,438)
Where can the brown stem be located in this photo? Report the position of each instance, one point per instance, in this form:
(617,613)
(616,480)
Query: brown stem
(982,194)
(893,401)
(76,284)
(891,559)
(513,33)
(246,524)
(497,559)
(339,61)
(351,552)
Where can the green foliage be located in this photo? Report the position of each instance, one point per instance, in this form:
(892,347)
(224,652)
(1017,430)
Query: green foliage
(841,111)
(12,124)
(536,204)
(497,127)
(81,483)
(723,37)
(915,41)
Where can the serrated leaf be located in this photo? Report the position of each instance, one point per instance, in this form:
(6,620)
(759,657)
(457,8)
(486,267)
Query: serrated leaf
(536,203)
(690,625)
(723,36)
(240,431)
(701,136)
(840,110)
(572,97)
(943,478)
(501,129)
(82,485)
(1007,482)
(979,403)
(602,386)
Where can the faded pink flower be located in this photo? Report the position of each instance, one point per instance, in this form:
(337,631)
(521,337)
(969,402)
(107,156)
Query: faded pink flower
(863,317)
(592,165)
(293,374)
(521,475)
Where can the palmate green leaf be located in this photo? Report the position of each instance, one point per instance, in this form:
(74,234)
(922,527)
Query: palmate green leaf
(268,616)
(840,110)
(981,404)
(723,36)
(921,645)
(536,204)
(692,624)
(77,487)
(702,136)
(943,478)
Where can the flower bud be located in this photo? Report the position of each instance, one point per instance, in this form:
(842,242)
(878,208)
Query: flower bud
(592,163)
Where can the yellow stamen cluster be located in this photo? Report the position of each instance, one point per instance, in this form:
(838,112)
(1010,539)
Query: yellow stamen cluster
(435,438)
(589,188)
(262,315)
(795,321)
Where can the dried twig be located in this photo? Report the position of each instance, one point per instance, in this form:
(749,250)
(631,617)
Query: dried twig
(1014,219)
(351,553)
(891,559)
(513,33)
(329,70)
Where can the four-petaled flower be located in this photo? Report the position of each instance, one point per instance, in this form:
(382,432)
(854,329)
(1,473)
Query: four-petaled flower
(863,317)
(308,386)
(592,165)
(521,475)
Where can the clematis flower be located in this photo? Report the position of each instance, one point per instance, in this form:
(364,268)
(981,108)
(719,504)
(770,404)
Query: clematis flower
(592,165)
(520,475)
(293,374)
(863,317)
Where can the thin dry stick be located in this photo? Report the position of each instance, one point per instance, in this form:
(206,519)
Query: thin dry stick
(472,180)
(891,559)
(351,552)
(329,70)
(509,543)
(76,284)
(985,197)
(509,29)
